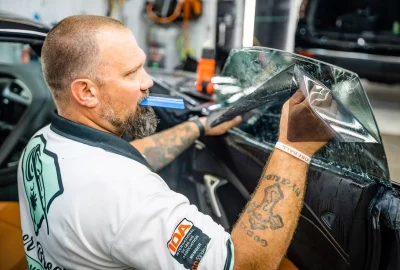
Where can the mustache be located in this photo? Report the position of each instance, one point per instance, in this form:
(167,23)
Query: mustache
(146,93)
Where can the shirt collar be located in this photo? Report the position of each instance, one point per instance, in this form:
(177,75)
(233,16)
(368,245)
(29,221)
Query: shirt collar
(96,138)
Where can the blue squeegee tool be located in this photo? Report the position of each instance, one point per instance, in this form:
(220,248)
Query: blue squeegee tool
(163,101)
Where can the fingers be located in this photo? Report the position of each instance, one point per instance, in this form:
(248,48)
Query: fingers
(322,101)
(320,97)
(333,108)
(298,97)
(232,123)
(326,99)
(224,127)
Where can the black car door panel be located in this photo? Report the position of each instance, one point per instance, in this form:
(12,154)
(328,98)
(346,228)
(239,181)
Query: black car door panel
(312,249)
(334,224)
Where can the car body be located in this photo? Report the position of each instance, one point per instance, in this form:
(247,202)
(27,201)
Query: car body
(362,36)
(350,216)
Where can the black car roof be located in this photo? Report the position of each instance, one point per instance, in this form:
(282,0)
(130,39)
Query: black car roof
(9,21)
(14,28)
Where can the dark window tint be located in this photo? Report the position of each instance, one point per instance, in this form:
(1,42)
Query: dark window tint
(359,152)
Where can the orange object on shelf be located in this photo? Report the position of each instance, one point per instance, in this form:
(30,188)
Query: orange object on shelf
(205,72)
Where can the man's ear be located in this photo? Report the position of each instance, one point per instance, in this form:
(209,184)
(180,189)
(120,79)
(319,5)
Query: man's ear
(85,92)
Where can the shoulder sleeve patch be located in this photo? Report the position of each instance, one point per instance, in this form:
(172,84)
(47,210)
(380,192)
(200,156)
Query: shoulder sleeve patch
(188,244)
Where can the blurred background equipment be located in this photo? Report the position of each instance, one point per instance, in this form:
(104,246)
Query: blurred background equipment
(114,6)
(362,36)
(168,11)
(275,23)
(164,17)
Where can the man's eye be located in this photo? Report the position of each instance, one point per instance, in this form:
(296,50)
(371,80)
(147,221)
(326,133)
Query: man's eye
(132,73)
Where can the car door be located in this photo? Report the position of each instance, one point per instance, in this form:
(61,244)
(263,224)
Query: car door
(338,228)
(25,101)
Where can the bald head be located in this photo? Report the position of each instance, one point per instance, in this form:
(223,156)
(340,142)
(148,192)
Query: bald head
(71,51)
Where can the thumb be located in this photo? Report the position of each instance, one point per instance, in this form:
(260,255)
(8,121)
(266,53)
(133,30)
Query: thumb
(237,120)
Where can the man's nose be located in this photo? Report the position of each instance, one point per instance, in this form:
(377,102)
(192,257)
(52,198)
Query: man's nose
(146,82)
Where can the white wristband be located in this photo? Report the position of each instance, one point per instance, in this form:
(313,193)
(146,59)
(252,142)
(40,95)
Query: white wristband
(293,152)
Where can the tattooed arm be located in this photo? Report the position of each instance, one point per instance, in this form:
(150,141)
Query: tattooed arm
(162,148)
(264,230)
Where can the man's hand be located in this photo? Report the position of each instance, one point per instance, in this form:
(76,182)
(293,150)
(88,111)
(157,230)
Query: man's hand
(222,128)
(300,127)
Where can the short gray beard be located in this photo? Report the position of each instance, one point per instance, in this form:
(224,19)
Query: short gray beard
(138,125)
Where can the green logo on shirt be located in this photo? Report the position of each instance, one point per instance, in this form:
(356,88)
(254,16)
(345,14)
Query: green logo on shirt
(42,180)
(33,265)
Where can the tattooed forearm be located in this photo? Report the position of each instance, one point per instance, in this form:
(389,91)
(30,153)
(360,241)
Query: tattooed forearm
(271,215)
(253,236)
(162,148)
(283,181)
(261,215)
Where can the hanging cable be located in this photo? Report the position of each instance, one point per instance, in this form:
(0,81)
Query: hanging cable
(190,8)
(184,10)
(163,20)
(113,6)
(186,17)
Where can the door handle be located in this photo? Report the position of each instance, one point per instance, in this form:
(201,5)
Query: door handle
(212,183)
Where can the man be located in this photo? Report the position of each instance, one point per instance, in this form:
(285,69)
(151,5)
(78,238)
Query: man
(90,200)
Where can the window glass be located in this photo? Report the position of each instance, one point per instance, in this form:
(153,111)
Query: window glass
(16,53)
(15,96)
(279,74)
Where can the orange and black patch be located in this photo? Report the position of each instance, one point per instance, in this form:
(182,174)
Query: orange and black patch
(188,244)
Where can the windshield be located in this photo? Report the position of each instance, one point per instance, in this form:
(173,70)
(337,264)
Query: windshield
(255,82)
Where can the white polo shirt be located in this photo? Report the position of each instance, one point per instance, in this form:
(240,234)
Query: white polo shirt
(89,200)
